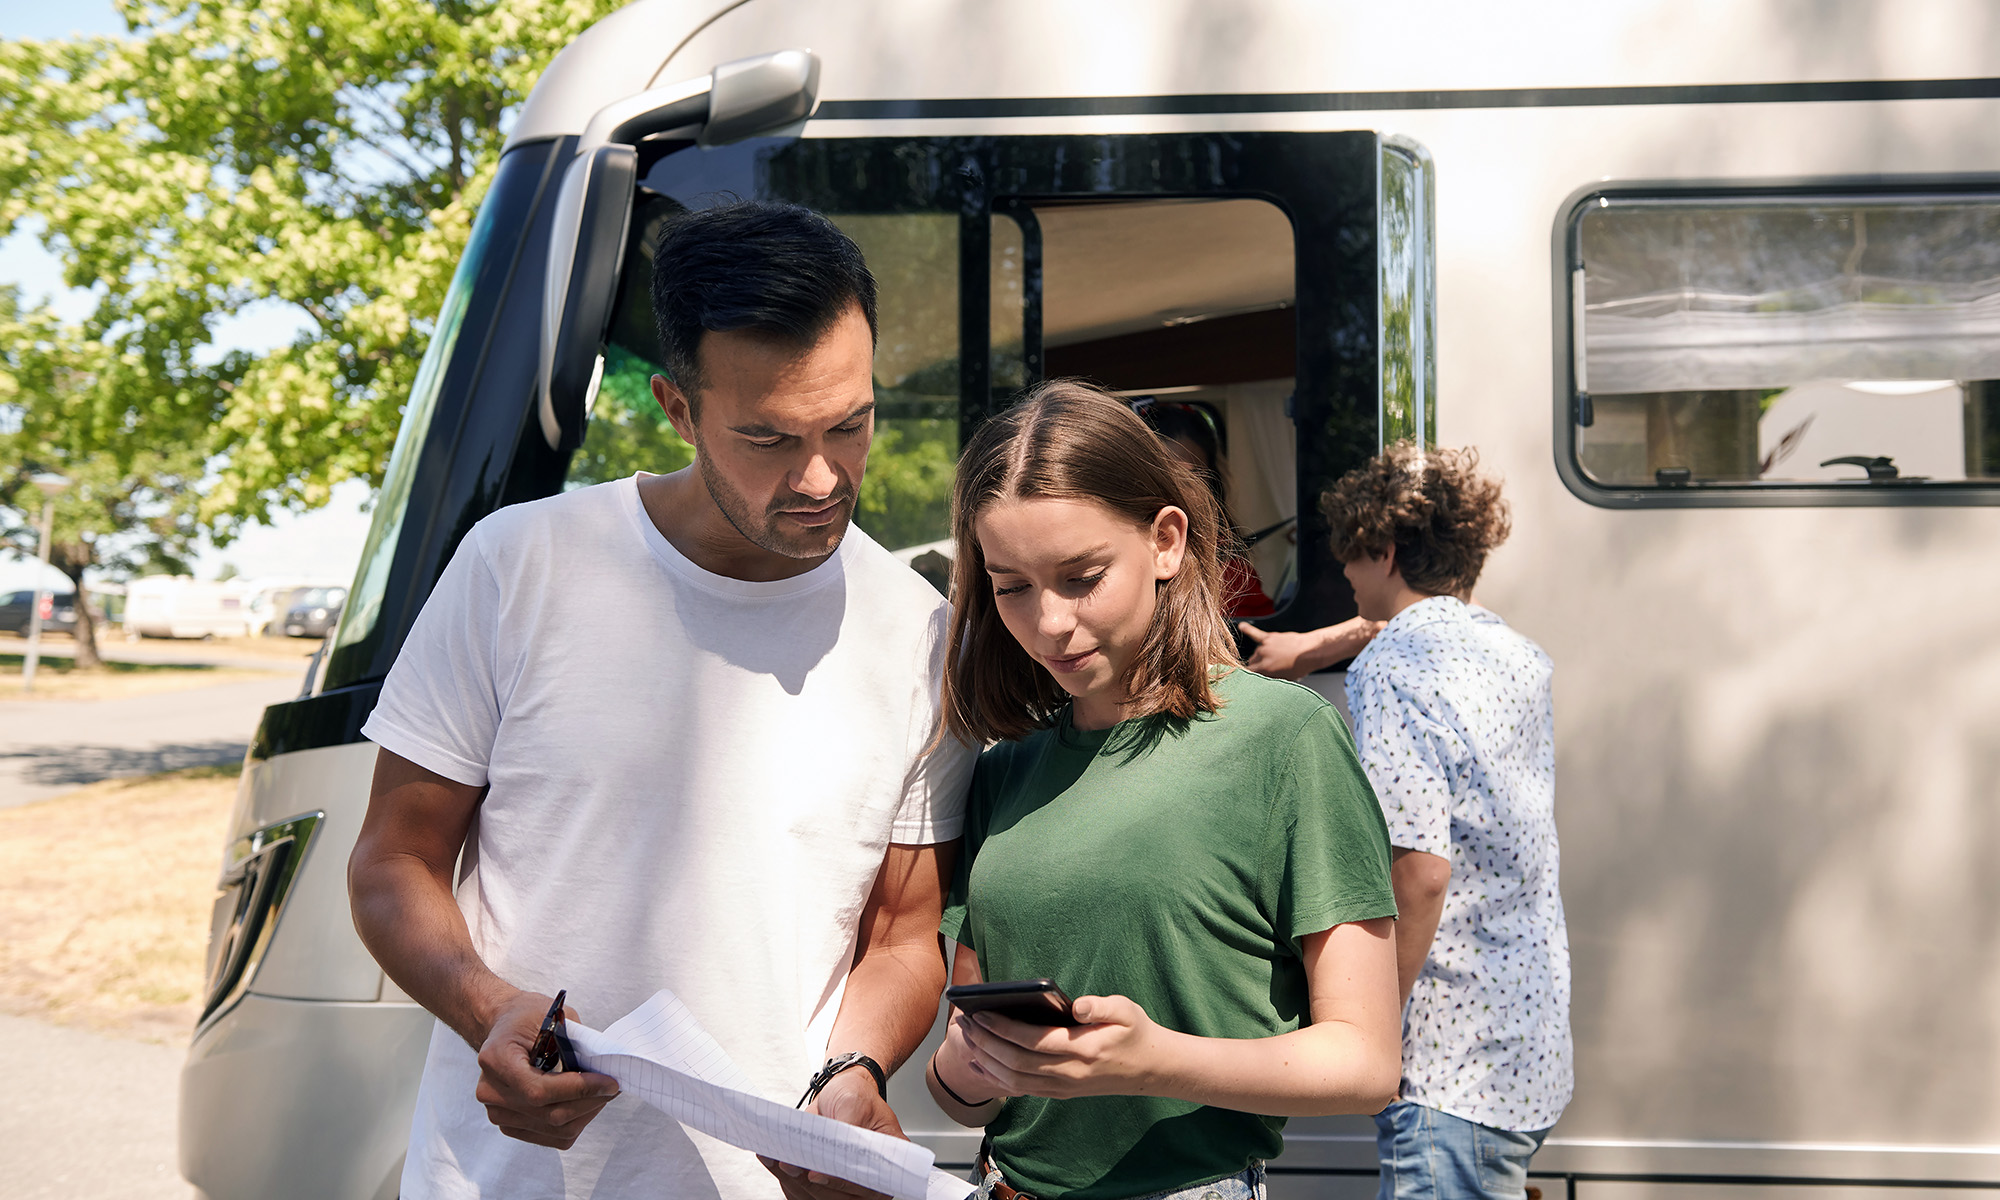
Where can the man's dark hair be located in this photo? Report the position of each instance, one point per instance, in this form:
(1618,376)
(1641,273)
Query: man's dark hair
(1435,507)
(778,269)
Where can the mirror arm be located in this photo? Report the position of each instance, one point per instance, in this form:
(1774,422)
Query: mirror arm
(634,118)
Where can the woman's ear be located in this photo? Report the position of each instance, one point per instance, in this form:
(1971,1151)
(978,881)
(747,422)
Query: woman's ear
(1170,530)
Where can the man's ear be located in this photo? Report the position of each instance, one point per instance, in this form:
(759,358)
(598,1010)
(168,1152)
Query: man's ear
(1389,567)
(675,404)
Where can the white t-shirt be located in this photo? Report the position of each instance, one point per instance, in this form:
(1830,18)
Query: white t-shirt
(692,783)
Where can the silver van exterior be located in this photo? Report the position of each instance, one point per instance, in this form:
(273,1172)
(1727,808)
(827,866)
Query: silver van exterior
(1613,246)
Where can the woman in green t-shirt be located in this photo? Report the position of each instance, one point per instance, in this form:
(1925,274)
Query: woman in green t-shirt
(1190,850)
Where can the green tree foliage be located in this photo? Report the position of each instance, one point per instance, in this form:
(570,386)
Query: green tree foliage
(131,502)
(326,155)
(906,495)
(627,432)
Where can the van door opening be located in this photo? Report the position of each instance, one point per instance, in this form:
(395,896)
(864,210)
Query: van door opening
(1233,276)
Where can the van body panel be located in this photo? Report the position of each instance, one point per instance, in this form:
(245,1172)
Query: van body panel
(922,49)
(301,1099)
(620,56)
(1771,946)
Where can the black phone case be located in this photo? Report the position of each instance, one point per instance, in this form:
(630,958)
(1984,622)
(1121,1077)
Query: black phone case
(1031,1001)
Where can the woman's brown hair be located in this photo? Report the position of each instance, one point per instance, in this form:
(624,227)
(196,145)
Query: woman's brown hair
(1066,440)
(1440,512)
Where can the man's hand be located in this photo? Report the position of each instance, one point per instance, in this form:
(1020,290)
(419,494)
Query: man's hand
(850,1097)
(1297,655)
(548,1110)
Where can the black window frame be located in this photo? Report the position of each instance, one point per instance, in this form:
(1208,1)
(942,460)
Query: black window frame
(1325,182)
(1566,258)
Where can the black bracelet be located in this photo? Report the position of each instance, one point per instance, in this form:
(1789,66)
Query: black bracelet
(939,1076)
(835,1066)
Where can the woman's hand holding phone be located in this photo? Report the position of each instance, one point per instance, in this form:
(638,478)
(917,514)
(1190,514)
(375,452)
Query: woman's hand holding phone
(1116,1050)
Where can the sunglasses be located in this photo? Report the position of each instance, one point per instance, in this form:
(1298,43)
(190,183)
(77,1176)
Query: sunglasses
(551,1048)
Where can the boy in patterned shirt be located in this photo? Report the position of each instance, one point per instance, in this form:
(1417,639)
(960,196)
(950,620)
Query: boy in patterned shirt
(1452,717)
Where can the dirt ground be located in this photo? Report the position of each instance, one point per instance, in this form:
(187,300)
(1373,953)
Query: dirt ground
(277,649)
(105,895)
(54,680)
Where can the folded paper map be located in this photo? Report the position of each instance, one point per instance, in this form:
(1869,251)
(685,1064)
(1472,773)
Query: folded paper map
(662,1055)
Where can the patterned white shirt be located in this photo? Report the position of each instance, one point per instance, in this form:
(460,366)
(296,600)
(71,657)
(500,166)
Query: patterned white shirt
(1454,721)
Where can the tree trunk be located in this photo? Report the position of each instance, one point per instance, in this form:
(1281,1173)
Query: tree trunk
(87,658)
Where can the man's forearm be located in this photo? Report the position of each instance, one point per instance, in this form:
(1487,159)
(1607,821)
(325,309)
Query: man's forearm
(410,923)
(890,1003)
(1420,881)
(1413,948)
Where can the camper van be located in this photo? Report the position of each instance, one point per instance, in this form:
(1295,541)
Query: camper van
(177,606)
(1713,284)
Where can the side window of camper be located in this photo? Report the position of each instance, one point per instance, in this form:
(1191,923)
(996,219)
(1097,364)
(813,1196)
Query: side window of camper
(1263,300)
(1781,347)
(1184,307)
(905,501)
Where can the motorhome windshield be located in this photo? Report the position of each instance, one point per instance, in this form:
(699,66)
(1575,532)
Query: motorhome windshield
(466,315)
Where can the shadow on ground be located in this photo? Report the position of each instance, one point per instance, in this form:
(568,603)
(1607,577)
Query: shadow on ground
(74,766)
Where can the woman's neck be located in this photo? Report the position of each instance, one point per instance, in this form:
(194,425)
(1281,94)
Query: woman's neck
(1089,713)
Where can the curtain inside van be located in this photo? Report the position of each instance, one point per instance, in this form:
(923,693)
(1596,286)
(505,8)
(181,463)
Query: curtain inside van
(1686,297)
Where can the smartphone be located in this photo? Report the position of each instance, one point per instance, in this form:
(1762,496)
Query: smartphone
(1035,1001)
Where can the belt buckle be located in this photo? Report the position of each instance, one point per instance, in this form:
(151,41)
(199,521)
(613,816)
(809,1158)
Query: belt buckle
(986,1167)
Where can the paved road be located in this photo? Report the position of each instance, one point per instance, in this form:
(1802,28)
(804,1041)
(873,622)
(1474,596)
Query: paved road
(107,1134)
(50,746)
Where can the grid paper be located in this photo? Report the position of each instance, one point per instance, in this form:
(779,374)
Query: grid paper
(660,1053)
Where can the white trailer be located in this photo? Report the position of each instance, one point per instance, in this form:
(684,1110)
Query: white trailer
(1664,263)
(178,606)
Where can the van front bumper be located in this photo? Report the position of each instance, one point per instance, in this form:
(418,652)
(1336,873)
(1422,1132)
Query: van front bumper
(305,1099)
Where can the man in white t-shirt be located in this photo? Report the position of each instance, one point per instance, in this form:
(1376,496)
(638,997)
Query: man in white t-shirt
(682,726)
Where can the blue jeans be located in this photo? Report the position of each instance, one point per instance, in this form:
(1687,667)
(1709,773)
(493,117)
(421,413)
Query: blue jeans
(1432,1155)
(1247,1186)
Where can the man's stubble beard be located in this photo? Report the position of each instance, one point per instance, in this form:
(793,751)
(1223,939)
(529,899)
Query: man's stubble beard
(764,532)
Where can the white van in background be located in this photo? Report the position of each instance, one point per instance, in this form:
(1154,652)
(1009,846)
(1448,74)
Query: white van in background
(177,606)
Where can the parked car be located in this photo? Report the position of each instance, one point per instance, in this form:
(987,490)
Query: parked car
(58,612)
(268,601)
(314,611)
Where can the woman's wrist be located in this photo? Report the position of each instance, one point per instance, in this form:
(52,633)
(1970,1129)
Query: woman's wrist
(1171,1064)
(970,1090)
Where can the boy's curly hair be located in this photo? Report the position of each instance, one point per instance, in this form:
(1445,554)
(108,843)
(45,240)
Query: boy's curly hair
(1435,507)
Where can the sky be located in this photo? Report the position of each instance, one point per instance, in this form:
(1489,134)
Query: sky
(322,545)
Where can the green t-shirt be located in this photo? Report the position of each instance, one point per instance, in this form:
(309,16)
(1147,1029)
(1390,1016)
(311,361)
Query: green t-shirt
(1179,864)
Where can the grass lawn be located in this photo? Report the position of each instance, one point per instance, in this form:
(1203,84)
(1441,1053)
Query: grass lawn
(105,895)
(277,650)
(54,680)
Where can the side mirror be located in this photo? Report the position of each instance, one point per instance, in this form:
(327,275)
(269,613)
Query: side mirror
(761,96)
(582,281)
(742,99)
